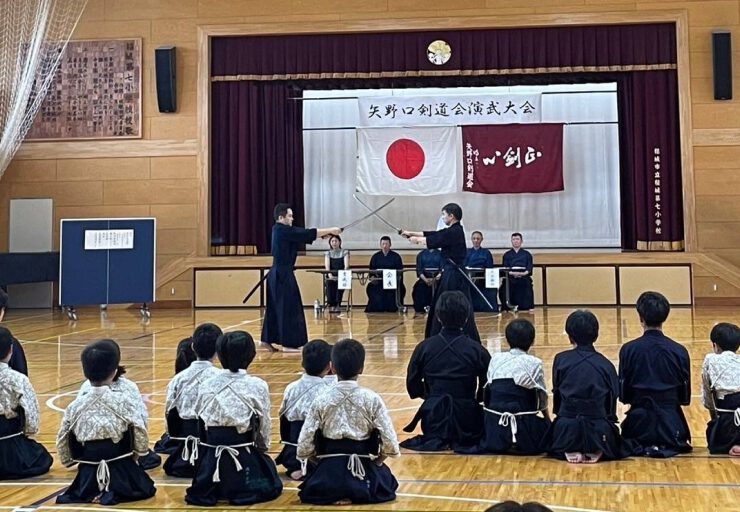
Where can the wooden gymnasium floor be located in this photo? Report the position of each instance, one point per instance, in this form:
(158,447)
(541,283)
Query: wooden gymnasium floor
(442,481)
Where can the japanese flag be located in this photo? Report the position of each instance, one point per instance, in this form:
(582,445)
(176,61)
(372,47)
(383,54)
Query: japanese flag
(408,161)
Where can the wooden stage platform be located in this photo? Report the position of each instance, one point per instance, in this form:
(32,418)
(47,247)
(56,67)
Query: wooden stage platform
(428,482)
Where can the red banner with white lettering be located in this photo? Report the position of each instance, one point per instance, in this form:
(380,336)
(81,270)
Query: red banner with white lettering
(513,159)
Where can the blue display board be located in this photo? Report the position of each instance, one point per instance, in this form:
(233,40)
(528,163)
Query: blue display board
(106,276)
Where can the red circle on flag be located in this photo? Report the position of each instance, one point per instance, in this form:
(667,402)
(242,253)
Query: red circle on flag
(405,158)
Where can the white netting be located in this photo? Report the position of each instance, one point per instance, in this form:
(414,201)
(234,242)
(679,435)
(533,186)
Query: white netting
(33,35)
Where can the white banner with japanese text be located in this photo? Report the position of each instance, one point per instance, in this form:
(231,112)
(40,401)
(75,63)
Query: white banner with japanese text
(108,239)
(450,110)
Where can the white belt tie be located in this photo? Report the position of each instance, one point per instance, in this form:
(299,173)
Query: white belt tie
(735,414)
(354,464)
(190,449)
(508,419)
(103,473)
(11,436)
(231,450)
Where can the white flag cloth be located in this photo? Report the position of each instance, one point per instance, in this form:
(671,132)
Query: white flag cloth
(408,161)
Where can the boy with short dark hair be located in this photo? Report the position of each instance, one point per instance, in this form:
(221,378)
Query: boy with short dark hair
(182,392)
(585,390)
(349,432)
(102,430)
(721,390)
(297,399)
(516,419)
(655,381)
(234,408)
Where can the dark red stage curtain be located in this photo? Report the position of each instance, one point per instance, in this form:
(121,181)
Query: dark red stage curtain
(256,162)
(369,55)
(650,161)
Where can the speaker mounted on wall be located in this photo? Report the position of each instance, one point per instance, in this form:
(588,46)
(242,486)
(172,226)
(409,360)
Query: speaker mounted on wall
(722,62)
(165,65)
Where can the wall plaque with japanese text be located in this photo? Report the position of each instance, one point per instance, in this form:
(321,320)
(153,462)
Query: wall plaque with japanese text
(96,93)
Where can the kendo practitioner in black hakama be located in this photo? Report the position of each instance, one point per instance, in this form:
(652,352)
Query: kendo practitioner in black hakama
(451,241)
(521,291)
(448,371)
(585,391)
(380,300)
(284,322)
(655,380)
(428,264)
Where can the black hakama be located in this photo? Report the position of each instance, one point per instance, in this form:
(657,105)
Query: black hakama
(166,445)
(422,296)
(428,264)
(585,426)
(178,463)
(126,481)
(516,427)
(450,418)
(585,390)
(723,431)
(655,380)
(285,323)
(481,259)
(289,432)
(521,291)
(18,360)
(451,241)
(656,422)
(218,478)
(20,457)
(448,371)
(149,461)
(331,481)
(380,300)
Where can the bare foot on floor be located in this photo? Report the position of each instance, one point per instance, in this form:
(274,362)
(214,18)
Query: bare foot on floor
(592,458)
(735,451)
(297,475)
(290,350)
(574,458)
(268,346)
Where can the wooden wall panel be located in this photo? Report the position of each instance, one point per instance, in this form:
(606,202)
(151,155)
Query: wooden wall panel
(311,286)
(538,285)
(225,288)
(673,282)
(581,285)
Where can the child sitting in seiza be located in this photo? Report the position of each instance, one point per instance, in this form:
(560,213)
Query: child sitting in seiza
(655,381)
(121,384)
(349,433)
(297,400)
(448,370)
(516,419)
(103,430)
(721,390)
(182,393)
(585,390)
(184,357)
(20,456)
(234,408)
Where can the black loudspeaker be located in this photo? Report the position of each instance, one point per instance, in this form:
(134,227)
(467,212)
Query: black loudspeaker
(166,70)
(722,60)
